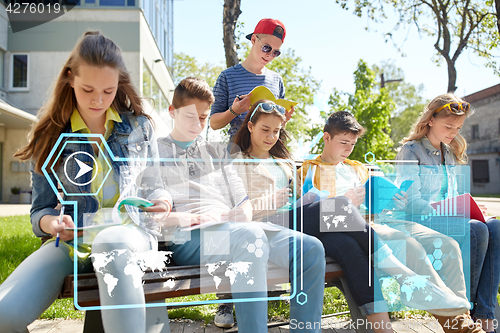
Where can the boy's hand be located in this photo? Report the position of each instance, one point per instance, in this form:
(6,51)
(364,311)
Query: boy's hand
(161,208)
(241,104)
(357,195)
(241,213)
(289,114)
(187,219)
(400,200)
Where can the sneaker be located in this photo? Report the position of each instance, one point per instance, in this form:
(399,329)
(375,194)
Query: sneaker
(224,316)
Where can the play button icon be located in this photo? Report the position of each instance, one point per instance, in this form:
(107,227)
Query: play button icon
(83,168)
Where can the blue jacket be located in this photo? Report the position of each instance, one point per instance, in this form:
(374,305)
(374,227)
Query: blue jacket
(132,138)
(423,165)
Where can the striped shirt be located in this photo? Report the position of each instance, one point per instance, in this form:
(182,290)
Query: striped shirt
(237,80)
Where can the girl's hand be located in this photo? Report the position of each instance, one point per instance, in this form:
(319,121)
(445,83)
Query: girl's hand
(53,227)
(400,200)
(241,104)
(357,195)
(282,197)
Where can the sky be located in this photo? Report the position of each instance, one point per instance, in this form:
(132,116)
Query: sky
(331,41)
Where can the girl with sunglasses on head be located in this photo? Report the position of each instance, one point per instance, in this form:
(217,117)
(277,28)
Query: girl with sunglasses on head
(92,95)
(268,175)
(439,149)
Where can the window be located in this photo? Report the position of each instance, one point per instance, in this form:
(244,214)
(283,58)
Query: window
(2,64)
(480,171)
(19,71)
(475,132)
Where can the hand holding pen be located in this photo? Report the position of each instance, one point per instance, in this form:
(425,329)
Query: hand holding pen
(61,216)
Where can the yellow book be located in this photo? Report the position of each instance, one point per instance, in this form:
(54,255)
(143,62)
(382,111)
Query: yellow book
(262,92)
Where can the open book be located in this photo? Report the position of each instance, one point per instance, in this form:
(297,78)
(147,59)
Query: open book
(262,92)
(462,205)
(106,217)
(380,191)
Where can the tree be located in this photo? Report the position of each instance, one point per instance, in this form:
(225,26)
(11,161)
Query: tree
(185,65)
(372,108)
(497,7)
(457,25)
(229,19)
(407,98)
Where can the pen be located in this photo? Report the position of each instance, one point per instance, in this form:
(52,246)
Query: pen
(243,201)
(60,221)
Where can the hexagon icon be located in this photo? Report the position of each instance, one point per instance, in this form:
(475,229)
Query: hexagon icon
(83,168)
(370,154)
(251,248)
(438,264)
(259,242)
(302,298)
(438,254)
(259,253)
(438,242)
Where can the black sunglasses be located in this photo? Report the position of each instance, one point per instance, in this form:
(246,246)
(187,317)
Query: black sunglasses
(267,48)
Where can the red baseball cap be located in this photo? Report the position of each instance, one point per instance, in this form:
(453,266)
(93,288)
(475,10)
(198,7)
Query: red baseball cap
(269,27)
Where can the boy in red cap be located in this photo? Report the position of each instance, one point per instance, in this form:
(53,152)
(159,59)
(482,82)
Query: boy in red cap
(231,91)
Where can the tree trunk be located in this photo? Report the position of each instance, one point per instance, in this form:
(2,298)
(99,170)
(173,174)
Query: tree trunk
(497,4)
(452,76)
(230,17)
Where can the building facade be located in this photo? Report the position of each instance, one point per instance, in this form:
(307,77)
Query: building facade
(30,61)
(482,132)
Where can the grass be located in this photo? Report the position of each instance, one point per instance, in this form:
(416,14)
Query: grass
(17,241)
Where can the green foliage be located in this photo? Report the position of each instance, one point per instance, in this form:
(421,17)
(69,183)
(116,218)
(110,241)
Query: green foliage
(454,25)
(372,109)
(185,66)
(407,99)
(300,87)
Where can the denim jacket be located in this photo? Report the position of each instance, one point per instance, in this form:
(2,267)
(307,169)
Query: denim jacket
(132,138)
(424,167)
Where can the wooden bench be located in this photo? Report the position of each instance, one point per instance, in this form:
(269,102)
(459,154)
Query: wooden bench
(187,281)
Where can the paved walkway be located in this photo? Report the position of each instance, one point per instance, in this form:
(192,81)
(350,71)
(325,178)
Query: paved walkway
(10,210)
(330,325)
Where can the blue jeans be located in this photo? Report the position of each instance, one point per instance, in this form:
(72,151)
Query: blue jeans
(37,281)
(277,248)
(485,267)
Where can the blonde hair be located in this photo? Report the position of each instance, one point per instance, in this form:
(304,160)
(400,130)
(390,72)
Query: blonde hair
(92,49)
(421,128)
(192,88)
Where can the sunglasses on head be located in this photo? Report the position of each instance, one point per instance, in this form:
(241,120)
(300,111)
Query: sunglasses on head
(267,49)
(268,107)
(455,107)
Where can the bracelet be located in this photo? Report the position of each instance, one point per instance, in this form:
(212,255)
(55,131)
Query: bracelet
(231,110)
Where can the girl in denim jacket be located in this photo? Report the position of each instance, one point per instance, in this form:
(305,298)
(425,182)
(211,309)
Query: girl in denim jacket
(433,154)
(92,96)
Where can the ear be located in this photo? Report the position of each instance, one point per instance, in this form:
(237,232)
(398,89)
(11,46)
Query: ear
(326,137)
(431,122)
(171,111)
(250,126)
